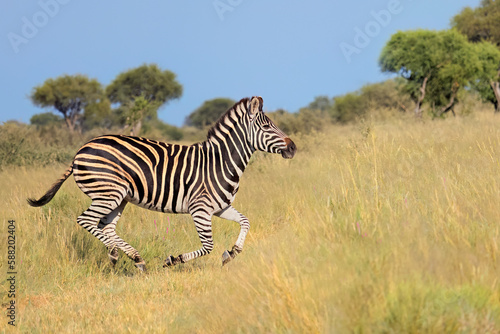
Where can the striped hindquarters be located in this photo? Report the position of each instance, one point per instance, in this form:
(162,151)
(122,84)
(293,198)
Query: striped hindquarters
(151,174)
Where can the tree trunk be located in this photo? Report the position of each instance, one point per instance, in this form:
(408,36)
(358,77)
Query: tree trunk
(450,104)
(71,126)
(495,85)
(418,107)
(70,118)
(135,129)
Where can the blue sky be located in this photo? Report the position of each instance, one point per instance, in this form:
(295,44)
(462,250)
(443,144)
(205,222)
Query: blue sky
(288,52)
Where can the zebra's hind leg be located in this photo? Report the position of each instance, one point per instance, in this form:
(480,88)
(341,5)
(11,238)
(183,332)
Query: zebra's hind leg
(203,224)
(108,225)
(231,213)
(92,220)
(118,242)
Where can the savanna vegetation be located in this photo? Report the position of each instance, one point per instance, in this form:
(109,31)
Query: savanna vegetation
(372,227)
(385,221)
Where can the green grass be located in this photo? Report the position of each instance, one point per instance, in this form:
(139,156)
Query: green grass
(380,228)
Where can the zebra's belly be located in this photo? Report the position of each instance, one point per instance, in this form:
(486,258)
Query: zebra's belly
(160,207)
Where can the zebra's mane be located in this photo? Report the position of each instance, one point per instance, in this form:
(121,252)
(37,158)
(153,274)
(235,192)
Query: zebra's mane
(221,121)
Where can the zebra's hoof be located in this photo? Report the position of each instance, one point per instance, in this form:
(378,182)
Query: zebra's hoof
(141,266)
(226,257)
(169,262)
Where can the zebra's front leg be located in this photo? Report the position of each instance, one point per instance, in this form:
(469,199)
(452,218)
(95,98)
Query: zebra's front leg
(232,214)
(203,224)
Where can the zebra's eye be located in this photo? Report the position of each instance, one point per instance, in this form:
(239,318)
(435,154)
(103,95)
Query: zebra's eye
(266,127)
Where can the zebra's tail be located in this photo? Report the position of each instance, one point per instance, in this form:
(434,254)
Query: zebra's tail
(52,191)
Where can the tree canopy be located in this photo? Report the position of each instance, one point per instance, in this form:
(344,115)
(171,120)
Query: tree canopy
(383,95)
(139,92)
(408,54)
(148,81)
(209,112)
(69,95)
(99,115)
(436,65)
(481,23)
(322,102)
(44,119)
(487,82)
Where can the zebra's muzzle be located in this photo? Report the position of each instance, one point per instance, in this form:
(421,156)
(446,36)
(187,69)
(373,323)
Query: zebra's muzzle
(290,150)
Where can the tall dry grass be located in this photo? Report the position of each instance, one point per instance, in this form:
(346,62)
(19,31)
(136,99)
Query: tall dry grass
(376,227)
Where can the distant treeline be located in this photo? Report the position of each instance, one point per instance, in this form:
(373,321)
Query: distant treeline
(437,72)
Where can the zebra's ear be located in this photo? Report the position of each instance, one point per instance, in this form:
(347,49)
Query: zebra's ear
(256,104)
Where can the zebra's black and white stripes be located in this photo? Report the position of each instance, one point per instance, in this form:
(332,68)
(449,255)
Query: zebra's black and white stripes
(200,179)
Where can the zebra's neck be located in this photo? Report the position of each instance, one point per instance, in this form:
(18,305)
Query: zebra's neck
(228,144)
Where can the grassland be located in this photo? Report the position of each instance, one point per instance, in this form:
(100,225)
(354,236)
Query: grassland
(374,228)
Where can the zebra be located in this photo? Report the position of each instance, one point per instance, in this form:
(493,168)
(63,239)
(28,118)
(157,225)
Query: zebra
(201,179)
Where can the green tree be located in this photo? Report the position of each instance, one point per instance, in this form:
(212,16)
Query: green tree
(209,112)
(44,119)
(322,102)
(487,82)
(99,115)
(347,107)
(458,68)
(409,55)
(304,121)
(386,95)
(138,110)
(382,95)
(482,24)
(139,92)
(69,95)
(435,64)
